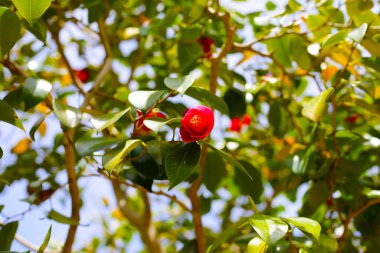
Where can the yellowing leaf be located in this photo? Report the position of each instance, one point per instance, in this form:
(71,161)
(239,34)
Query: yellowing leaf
(42,129)
(42,108)
(329,72)
(247,54)
(21,147)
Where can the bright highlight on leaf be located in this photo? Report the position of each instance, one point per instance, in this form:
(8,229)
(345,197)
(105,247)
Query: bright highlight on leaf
(31,10)
(144,99)
(179,84)
(315,108)
(103,121)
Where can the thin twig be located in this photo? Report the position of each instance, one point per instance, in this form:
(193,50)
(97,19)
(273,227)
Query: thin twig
(73,187)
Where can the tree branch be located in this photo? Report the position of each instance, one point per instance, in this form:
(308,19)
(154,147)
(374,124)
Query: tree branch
(73,187)
(196,205)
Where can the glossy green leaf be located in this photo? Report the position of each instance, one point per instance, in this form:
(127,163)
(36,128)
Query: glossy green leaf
(214,171)
(373,194)
(157,125)
(235,100)
(309,226)
(252,186)
(120,156)
(1,153)
(38,29)
(180,84)
(327,244)
(229,159)
(60,218)
(9,30)
(9,116)
(181,161)
(315,108)
(7,233)
(358,34)
(45,242)
(299,52)
(334,39)
(208,98)
(67,115)
(144,99)
(31,9)
(227,233)
(34,91)
(89,145)
(103,121)
(269,228)
(188,55)
(35,127)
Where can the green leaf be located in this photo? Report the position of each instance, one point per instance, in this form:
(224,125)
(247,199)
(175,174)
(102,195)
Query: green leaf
(67,115)
(60,218)
(181,161)
(208,98)
(315,108)
(1,153)
(302,164)
(104,121)
(357,34)
(226,234)
(334,39)
(252,186)
(45,242)
(7,233)
(254,207)
(89,145)
(327,244)
(188,55)
(228,158)
(157,125)
(214,171)
(373,194)
(270,229)
(120,156)
(9,116)
(235,100)
(299,52)
(31,9)
(309,226)
(9,30)
(38,29)
(144,99)
(35,127)
(179,84)
(34,91)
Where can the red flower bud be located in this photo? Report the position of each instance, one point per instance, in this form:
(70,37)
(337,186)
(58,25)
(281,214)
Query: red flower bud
(140,128)
(352,119)
(206,46)
(196,124)
(235,124)
(83,75)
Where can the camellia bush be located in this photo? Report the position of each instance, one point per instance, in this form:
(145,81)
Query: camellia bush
(235,114)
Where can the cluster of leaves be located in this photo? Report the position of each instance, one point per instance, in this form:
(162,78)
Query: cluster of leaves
(308,80)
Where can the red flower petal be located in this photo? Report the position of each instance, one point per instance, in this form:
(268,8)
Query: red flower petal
(197,123)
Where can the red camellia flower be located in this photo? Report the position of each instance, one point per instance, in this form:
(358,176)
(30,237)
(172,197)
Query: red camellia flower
(140,128)
(238,123)
(197,123)
(206,45)
(83,75)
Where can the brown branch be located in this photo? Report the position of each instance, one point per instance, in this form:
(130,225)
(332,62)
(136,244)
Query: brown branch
(352,215)
(68,143)
(142,222)
(227,46)
(107,66)
(75,79)
(334,105)
(196,204)
(13,67)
